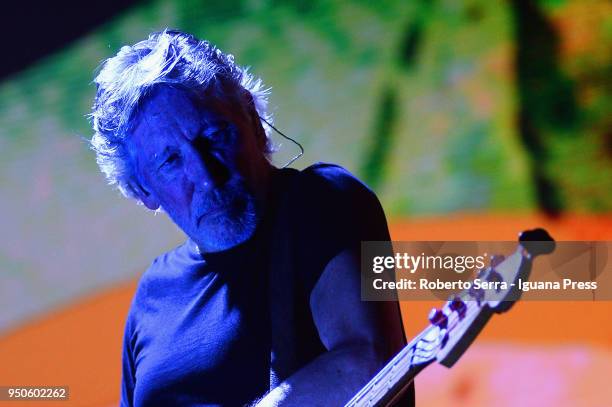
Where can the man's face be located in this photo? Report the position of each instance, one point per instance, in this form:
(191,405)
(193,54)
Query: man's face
(204,165)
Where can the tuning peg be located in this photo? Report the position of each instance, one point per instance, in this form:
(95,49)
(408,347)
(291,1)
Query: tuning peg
(438,318)
(543,243)
(457,305)
(495,277)
(477,293)
(496,259)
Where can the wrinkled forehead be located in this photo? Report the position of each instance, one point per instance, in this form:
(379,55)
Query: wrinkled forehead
(170,110)
(165,110)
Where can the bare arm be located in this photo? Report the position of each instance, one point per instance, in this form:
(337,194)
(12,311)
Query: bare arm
(359,337)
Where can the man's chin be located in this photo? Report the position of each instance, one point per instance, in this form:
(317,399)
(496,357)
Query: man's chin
(222,237)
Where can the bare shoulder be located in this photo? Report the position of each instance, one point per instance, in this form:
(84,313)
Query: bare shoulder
(342,318)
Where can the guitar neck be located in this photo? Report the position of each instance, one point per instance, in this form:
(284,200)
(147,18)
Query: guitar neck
(455,327)
(425,348)
(395,377)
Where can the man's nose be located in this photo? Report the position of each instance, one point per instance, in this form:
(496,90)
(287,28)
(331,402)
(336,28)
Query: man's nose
(204,168)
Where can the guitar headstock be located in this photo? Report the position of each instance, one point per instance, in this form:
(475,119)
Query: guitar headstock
(457,323)
(460,320)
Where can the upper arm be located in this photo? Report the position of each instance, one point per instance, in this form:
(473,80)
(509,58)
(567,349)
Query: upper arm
(342,319)
(336,212)
(128,371)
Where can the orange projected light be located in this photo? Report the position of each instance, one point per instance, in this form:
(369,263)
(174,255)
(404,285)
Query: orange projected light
(562,349)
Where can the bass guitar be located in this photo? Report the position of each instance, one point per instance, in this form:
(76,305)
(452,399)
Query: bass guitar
(455,326)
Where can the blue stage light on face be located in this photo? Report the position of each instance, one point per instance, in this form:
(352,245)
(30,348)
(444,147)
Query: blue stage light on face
(200,164)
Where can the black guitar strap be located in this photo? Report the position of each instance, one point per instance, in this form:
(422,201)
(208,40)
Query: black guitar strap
(282,282)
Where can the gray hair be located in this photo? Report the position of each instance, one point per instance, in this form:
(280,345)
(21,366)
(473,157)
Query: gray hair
(167,57)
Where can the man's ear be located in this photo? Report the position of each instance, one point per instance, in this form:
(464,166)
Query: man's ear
(251,111)
(147,197)
(260,133)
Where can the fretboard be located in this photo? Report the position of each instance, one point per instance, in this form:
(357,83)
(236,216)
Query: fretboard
(395,377)
(400,371)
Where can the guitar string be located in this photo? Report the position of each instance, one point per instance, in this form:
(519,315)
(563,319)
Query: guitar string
(473,306)
(470,311)
(408,353)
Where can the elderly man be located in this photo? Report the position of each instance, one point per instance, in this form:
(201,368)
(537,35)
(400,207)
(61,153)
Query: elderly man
(261,305)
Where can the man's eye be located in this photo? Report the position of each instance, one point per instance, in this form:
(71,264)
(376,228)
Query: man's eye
(217,137)
(218,140)
(172,159)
